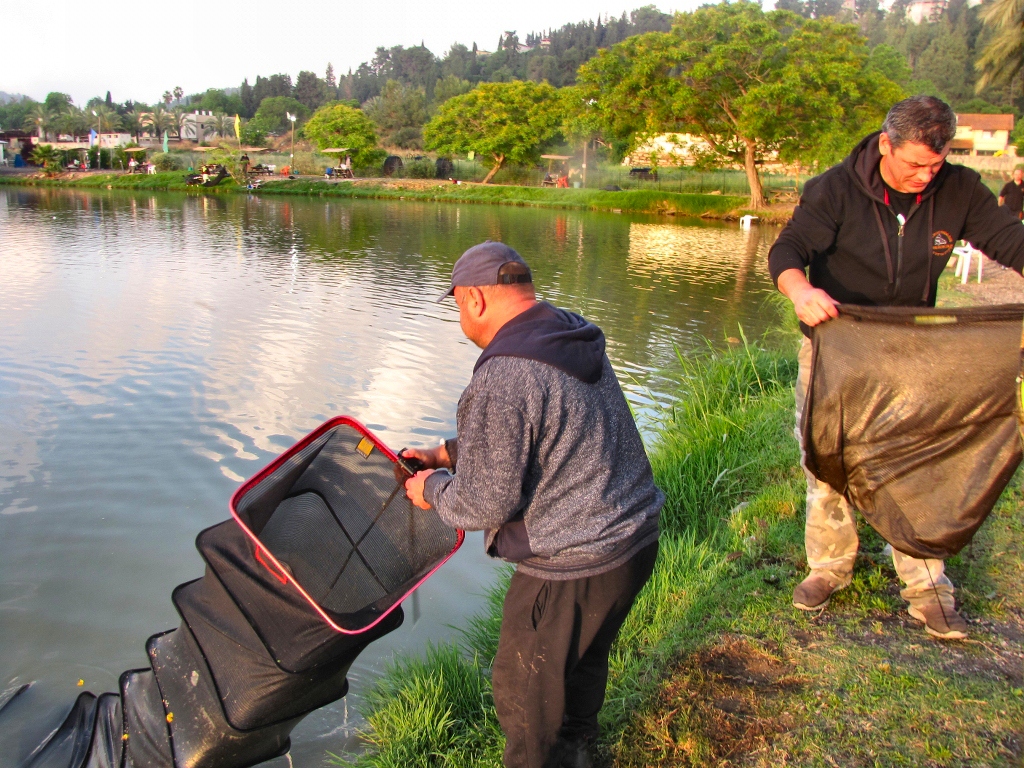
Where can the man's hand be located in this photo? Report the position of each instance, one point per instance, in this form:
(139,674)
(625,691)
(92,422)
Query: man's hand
(812,304)
(414,487)
(432,458)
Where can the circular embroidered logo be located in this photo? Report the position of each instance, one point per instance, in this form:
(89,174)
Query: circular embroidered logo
(942,244)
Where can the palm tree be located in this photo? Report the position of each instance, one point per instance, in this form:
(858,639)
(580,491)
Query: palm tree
(222,124)
(46,156)
(39,119)
(1003,57)
(159,120)
(180,119)
(134,122)
(106,118)
(70,121)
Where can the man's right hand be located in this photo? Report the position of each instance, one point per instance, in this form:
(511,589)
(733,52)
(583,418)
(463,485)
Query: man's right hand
(432,458)
(812,304)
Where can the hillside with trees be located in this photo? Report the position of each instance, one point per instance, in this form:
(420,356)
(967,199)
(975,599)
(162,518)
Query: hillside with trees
(804,81)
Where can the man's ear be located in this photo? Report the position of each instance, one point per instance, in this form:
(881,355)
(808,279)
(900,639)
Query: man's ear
(884,144)
(475,302)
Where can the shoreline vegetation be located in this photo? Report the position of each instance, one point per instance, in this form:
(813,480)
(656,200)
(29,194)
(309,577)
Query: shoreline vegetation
(642,201)
(714,666)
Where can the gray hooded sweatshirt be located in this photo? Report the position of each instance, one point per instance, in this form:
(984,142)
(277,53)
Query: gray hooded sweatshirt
(549,461)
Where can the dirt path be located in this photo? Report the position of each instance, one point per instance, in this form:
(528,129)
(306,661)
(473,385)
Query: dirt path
(998,285)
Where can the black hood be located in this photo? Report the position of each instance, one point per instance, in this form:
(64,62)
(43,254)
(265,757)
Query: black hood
(553,336)
(862,166)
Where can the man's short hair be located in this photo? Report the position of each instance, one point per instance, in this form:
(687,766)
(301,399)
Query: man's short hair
(923,120)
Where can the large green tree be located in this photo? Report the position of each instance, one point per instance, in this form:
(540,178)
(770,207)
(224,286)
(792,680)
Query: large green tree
(753,85)
(399,113)
(272,115)
(310,90)
(341,126)
(502,122)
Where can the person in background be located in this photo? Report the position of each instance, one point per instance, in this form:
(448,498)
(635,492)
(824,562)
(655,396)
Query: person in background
(1012,194)
(877,230)
(549,463)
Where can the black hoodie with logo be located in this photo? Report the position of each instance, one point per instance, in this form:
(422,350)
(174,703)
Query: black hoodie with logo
(549,461)
(847,234)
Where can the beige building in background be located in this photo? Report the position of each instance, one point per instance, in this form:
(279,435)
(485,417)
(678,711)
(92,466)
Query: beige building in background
(980,135)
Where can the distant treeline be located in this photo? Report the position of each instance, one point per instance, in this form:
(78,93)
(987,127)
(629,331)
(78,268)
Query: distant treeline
(401,87)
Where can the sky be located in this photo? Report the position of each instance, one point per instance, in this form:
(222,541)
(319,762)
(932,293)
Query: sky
(140,50)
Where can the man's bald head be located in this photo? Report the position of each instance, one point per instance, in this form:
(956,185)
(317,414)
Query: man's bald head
(484,309)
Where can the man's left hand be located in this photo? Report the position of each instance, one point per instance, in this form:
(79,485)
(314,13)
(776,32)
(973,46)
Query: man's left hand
(414,488)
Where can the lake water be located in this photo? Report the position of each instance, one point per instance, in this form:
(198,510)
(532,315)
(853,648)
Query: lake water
(157,349)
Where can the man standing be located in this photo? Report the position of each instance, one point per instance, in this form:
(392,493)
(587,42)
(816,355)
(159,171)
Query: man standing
(877,230)
(549,462)
(1012,194)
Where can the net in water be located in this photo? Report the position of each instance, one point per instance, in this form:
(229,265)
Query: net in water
(322,551)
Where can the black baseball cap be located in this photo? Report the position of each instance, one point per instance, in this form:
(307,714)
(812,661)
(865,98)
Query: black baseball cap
(480,266)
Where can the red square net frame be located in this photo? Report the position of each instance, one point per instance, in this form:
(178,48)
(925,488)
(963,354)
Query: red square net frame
(267,559)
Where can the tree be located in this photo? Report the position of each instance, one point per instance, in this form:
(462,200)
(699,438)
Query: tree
(57,102)
(106,118)
(223,125)
(449,86)
(399,114)
(339,125)
(751,84)
(1003,56)
(158,121)
(70,122)
(310,90)
(946,62)
(890,63)
(248,102)
(505,122)
(178,92)
(48,158)
(275,85)
(180,116)
(38,119)
(15,113)
(135,122)
(272,116)
(329,77)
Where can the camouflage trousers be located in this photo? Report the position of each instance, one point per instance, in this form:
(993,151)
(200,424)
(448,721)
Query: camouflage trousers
(830,533)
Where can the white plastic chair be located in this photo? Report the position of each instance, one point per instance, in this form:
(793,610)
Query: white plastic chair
(963,261)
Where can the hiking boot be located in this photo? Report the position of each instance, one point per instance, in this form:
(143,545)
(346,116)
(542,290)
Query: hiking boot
(813,593)
(940,621)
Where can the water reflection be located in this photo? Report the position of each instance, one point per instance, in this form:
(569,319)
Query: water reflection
(155,349)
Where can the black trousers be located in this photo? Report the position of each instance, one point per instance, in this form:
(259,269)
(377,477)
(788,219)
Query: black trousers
(551,667)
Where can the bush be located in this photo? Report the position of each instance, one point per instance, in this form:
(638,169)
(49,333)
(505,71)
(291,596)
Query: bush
(420,169)
(165,161)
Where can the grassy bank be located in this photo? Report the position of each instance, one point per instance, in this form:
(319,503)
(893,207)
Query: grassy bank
(626,201)
(714,666)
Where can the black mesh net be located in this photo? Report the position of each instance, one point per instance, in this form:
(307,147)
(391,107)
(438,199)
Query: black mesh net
(335,515)
(912,414)
(254,655)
